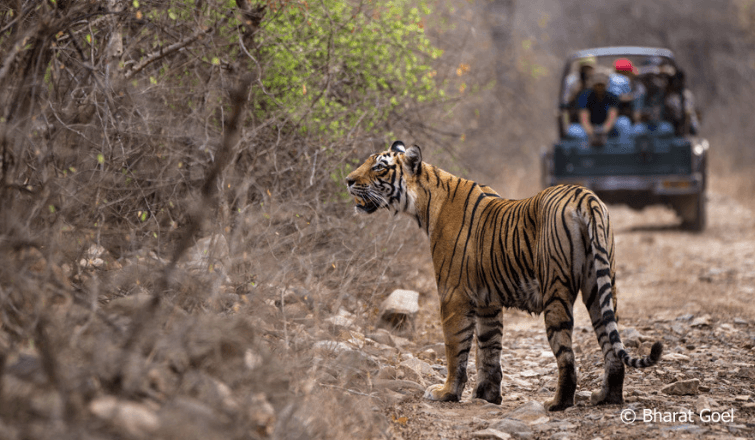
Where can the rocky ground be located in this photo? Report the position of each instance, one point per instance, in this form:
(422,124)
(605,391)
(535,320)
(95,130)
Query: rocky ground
(692,291)
(225,362)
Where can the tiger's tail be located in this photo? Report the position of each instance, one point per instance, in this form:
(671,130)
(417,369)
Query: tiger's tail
(598,230)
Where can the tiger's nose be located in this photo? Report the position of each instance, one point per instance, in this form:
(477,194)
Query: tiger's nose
(350,181)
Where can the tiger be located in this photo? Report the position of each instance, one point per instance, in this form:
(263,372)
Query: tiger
(491,253)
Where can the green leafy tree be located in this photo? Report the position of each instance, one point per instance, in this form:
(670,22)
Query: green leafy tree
(339,66)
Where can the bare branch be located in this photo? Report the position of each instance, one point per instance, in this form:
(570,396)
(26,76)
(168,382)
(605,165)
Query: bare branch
(207,204)
(11,57)
(165,51)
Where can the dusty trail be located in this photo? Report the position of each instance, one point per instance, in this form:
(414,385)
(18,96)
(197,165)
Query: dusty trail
(694,292)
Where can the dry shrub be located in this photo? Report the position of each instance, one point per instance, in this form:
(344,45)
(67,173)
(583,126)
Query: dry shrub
(204,368)
(130,131)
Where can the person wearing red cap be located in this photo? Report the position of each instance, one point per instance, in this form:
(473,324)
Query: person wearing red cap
(622,84)
(619,83)
(624,65)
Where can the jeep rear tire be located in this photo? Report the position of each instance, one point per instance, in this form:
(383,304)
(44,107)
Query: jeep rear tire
(691,208)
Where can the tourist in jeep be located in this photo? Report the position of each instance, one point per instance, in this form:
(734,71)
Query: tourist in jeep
(654,117)
(598,110)
(623,83)
(574,84)
(680,103)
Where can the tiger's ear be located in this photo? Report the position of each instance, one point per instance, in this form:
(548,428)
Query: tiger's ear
(413,159)
(398,147)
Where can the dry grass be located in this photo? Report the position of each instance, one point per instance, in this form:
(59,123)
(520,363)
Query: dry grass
(140,336)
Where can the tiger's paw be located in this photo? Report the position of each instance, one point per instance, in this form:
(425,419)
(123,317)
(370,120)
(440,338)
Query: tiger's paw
(556,405)
(604,397)
(488,391)
(439,393)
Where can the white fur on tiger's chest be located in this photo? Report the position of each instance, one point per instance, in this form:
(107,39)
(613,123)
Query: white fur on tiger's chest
(411,200)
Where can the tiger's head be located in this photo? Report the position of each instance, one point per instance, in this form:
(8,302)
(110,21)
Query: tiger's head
(385,180)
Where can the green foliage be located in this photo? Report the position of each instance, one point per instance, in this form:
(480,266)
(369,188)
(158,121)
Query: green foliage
(337,65)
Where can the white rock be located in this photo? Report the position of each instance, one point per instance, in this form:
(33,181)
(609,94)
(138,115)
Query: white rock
(224,391)
(252,360)
(91,262)
(531,413)
(92,256)
(401,301)
(682,388)
(342,319)
(420,367)
(400,307)
(134,418)
(513,427)
(95,251)
(490,432)
(398,385)
(406,356)
(331,346)
(516,381)
(678,328)
(675,357)
(701,321)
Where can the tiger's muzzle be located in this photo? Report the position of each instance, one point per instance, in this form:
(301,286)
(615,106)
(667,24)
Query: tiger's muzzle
(366,200)
(366,206)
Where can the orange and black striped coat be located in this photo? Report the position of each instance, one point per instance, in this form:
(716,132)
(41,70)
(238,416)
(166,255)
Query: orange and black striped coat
(491,253)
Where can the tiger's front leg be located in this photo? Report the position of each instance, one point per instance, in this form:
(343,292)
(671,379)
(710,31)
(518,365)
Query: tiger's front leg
(458,322)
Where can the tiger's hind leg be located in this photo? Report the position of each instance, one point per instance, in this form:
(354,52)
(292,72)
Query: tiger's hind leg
(489,332)
(559,323)
(458,322)
(612,391)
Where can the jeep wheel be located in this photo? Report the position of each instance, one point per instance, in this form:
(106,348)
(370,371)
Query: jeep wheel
(691,209)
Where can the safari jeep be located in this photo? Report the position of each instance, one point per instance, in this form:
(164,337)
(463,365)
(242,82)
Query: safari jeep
(638,167)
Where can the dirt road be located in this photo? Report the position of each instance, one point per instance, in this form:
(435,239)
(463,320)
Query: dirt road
(694,292)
